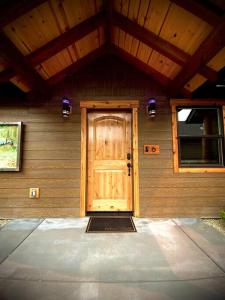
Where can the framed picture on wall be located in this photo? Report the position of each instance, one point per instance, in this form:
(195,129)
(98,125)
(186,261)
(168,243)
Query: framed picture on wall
(10,146)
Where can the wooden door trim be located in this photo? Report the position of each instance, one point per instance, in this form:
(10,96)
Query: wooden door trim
(135,161)
(83,168)
(123,104)
(117,104)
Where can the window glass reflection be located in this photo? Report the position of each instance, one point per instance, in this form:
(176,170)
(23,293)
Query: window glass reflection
(198,121)
(200,136)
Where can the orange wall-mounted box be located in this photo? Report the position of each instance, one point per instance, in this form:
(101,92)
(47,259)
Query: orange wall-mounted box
(151,149)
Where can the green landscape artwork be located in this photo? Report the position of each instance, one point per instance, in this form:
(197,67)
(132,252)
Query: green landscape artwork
(10,146)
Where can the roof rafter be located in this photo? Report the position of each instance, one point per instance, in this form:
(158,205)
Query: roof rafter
(157,76)
(105,49)
(6,74)
(163,80)
(107,5)
(17,61)
(160,45)
(14,9)
(200,11)
(18,64)
(206,51)
(64,40)
(78,65)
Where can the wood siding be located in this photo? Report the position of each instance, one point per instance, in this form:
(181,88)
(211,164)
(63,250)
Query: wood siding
(51,161)
(51,151)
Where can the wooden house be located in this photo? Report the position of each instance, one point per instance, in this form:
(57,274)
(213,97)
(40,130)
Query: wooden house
(108,58)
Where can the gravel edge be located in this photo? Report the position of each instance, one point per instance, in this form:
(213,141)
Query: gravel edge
(3,222)
(218,224)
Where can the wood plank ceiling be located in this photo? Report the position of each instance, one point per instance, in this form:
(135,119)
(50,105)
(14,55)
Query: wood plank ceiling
(180,43)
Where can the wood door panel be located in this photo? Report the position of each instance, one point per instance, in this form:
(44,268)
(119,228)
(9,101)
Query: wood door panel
(109,141)
(108,134)
(113,184)
(109,205)
(110,164)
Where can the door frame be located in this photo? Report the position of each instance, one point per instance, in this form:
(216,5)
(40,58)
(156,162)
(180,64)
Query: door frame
(131,105)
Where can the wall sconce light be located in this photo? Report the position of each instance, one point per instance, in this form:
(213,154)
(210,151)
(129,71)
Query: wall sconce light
(151,108)
(66,107)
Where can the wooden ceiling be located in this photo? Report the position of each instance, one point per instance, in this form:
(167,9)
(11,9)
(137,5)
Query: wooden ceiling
(179,43)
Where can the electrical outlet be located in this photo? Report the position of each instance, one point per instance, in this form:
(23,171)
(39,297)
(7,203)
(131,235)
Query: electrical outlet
(34,193)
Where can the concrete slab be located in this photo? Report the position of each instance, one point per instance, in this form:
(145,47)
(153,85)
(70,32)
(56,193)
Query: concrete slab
(58,260)
(13,233)
(59,249)
(210,289)
(210,240)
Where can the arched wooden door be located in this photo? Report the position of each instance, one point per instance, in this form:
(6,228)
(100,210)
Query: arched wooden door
(109,145)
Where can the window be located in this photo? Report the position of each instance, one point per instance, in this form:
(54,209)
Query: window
(198,138)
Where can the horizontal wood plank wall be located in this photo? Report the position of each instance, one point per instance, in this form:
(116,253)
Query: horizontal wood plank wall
(51,161)
(165,193)
(51,151)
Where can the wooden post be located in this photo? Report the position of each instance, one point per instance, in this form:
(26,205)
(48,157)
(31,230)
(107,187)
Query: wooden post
(135,162)
(83,161)
(175,141)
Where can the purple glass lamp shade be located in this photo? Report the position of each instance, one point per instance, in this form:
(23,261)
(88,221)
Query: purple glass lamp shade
(66,107)
(151,108)
(151,101)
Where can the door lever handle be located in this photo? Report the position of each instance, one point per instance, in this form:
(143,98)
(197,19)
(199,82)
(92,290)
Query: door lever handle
(129,168)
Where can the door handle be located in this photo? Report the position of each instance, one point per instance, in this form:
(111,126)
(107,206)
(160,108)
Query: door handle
(128,156)
(129,168)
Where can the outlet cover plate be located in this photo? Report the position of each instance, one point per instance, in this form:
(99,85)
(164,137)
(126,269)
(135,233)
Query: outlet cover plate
(34,193)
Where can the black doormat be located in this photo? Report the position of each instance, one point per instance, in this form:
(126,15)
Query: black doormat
(110,224)
(109,213)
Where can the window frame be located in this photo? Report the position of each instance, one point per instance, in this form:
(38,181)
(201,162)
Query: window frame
(176,159)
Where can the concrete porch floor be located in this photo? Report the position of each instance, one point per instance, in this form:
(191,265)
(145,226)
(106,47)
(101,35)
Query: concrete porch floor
(53,259)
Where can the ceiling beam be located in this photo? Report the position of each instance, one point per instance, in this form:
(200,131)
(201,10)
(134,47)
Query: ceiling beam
(107,6)
(66,39)
(13,9)
(157,76)
(200,11)
(159,44)
(6,75)
(206,51)
(63,41)
(78,65)
(79,31)
(149,38)
(18,63)
(163,80)
(207,72)
(139,32)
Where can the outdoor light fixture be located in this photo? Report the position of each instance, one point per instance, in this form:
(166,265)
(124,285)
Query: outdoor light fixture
(66,107)
(151,108)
